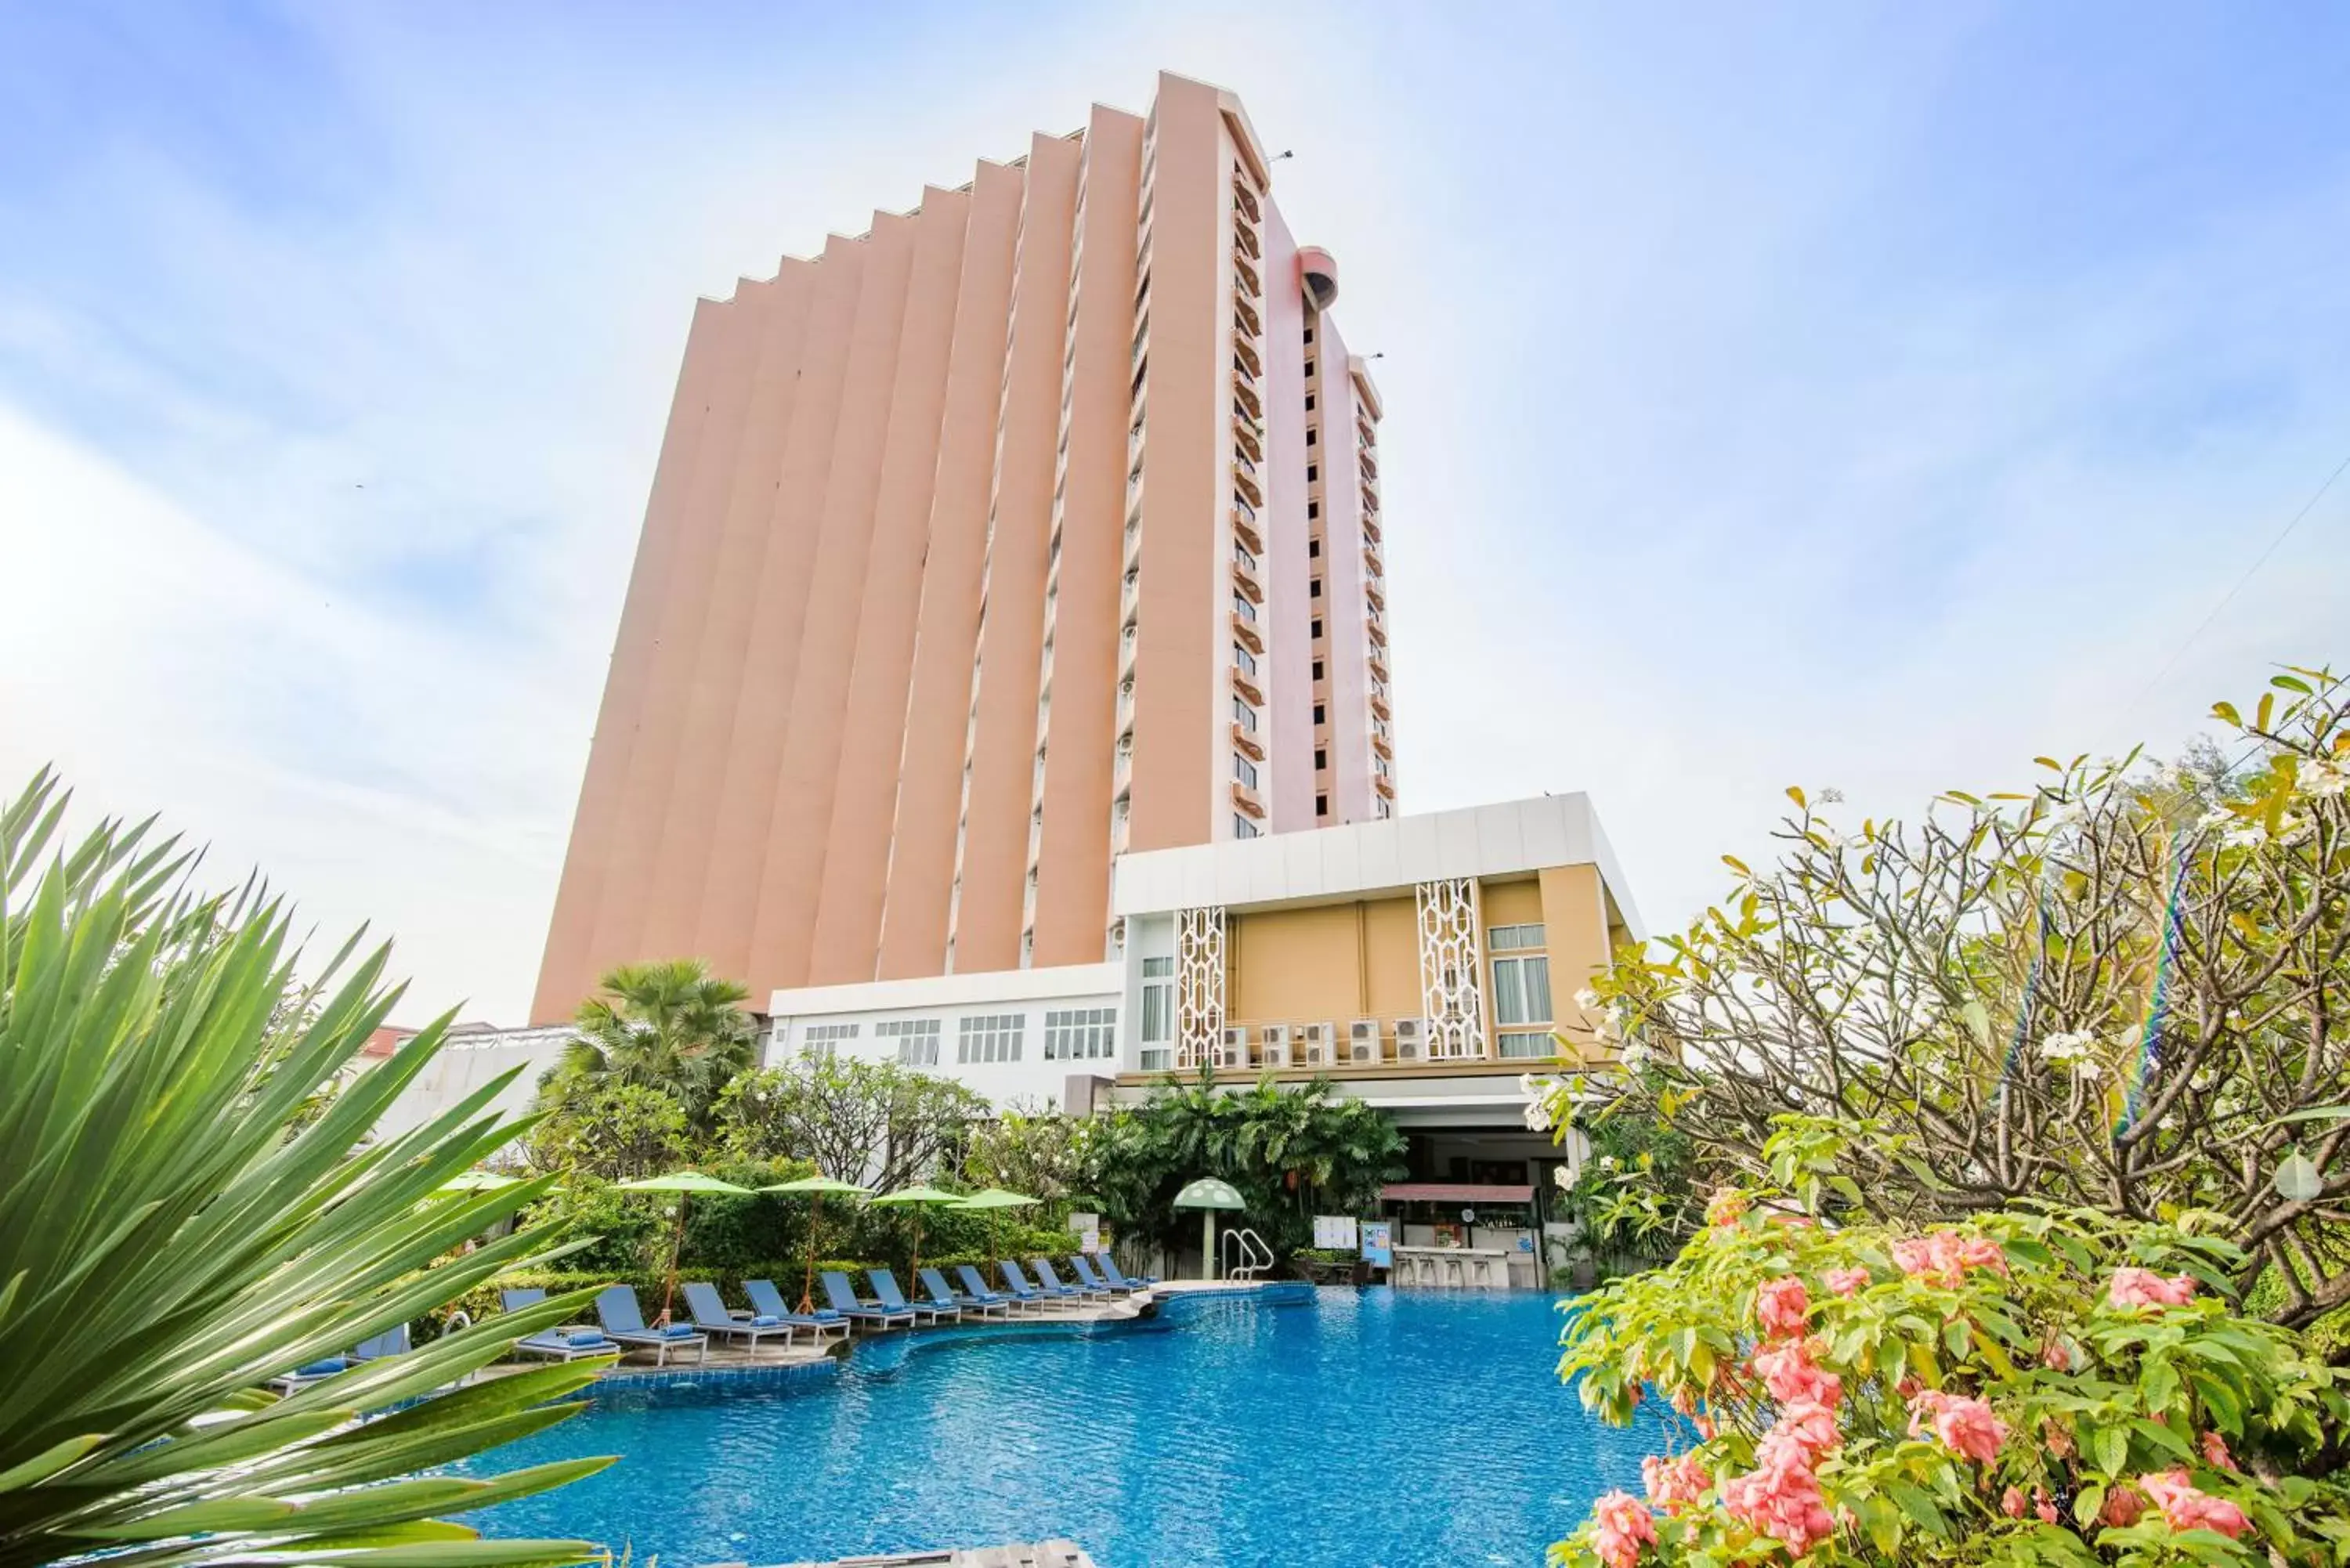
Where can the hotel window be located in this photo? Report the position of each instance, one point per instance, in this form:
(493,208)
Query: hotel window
(1521,976)
(1314,591)
(1245,660)
(824,1039)
(1520,1044)
(1314,547)
(1243,715)
(1245,770)
(1321,715)
(1321,806)
(1242,607)
(1321,759)
(1309,403)
(1313,473)
(1243,827)
(1158,1015)
(917,1038)
(1317,670)
(1081,1034)
(1313,436)
(1317,625)
(1309,335)
(991,1037)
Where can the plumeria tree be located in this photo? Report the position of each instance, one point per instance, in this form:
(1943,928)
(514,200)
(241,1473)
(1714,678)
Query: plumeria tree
(2125,988)
(2032,1385)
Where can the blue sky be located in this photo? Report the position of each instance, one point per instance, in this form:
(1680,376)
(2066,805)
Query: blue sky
(1866,396)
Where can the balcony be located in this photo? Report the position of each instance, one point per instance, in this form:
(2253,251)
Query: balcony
(1245,317)
(1247,238)
(1375,631)
(1370,467)
(1245,527)
(1244,741)
(1370,502)
(1372,563)
(1380,742)
(1245,199)
(1249,800)
(1245,632)
(1245,685)
(1246,580)
(1384,784)
(1370,527)
(1246,275)
(1376,594)
(1246,357)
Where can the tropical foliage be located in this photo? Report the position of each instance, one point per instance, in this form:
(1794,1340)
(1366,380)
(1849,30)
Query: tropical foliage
(669,1026)
(1291,1152)
(2125,988)
(2034,1385)
(167,1247)
(875,1123)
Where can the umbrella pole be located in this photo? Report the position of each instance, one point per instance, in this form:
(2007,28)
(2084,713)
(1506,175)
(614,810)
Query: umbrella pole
(676,1244)
(914,1264)
(807,1282)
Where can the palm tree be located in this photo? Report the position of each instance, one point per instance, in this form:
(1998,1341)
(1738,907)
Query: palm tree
(671,1025)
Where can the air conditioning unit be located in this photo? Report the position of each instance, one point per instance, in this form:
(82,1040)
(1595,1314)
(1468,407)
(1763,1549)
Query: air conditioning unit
(1233,1052)
(1273,1046)
(1411,1040)
(1363,1040)
(1320,1044)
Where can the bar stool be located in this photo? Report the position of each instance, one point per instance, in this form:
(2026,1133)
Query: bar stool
(1454,1277)
(1484,1269)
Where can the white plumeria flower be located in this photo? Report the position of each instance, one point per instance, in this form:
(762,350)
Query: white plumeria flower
(1537,1117)
(2066,1047)
(1607,1162)
(2089,1072)
(1565,1180)
(1635,1057)
(2245,837)
(1587,1000)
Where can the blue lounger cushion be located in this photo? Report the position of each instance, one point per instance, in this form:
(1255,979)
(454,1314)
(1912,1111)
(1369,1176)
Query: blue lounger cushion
(676,1330)
(766,1320)
(582,1337)
(326,1368)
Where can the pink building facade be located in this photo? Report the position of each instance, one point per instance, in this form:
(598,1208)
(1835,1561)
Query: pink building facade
(1033,525)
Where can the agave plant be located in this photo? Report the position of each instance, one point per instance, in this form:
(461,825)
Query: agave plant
(174,1234)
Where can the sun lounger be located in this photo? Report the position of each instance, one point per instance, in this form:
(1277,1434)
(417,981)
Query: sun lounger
(710,1316)
(976,1288)
(624,1321)
(392,1341)
(843,1297)
(1093,1281)
(1051,1281)
(936,1283)
(885,1292)
(768,1302)
(1110,1271)
(1023,1290)
(565,1343)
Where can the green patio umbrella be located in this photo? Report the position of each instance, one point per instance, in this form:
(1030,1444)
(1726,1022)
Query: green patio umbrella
(685,1184)
(914,1197)
(815,1186)
(1208,1194)
(996,1198)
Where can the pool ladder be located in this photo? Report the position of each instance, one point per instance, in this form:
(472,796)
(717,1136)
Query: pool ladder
(1244,1255)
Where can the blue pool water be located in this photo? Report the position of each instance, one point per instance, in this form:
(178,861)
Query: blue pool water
(1348,1427)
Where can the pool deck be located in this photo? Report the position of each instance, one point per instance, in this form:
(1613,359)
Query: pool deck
(804,1353)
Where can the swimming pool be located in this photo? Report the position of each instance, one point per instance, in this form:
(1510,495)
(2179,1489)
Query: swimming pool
(1346,1427)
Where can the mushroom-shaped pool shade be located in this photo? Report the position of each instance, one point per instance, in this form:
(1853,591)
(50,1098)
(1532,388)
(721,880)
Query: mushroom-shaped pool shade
(1208,1194)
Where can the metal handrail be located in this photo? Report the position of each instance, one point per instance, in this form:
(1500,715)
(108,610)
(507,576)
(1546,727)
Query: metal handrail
(1255,1257)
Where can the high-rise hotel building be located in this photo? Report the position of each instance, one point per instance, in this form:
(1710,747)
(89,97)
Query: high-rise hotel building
(1033,525)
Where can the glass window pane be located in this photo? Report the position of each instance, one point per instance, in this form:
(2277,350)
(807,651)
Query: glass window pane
(1537,989)
(1509,996)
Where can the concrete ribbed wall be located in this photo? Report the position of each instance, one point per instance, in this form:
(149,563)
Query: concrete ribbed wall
(816,757)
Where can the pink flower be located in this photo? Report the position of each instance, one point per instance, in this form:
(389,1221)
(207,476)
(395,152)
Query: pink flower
(1727,1207)
(1944,1257)
(2043,1506)
(2215,1452)
(1804,1430)
(1792,1375)
(1704,1425)
(1621,1526)
(1965,1427)
(2057,1440)
(2056,1358)
(2144,1287)
(2010,1502)
(1782,1306)
(1980,1252)
(1845,1282)
(1783,1501)
(2185,1508)
(2122,1508)
(1672,1482)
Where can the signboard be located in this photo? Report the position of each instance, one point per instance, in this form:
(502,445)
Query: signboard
(1333,1232)
(1378,1243)
(1088,1230)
